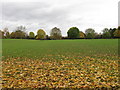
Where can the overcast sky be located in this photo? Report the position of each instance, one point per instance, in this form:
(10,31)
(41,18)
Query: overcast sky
(46,14)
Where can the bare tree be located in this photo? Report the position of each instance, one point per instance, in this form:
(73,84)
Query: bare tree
(55,33)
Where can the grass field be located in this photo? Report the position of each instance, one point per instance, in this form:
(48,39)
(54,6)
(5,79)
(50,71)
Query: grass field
(60,63)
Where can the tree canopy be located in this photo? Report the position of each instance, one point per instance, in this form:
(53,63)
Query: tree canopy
(90,33)
(41,34)
(82,35)
(117,32)
(106,33)
(31,35)
(73,33)
(55,33)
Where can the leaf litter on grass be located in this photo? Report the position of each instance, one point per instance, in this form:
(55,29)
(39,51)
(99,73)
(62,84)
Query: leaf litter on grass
(59,72)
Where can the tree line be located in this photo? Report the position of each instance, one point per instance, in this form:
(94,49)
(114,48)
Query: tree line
(55,33)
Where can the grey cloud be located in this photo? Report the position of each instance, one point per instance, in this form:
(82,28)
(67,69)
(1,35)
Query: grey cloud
(34,12)
(61,13)
(26,11)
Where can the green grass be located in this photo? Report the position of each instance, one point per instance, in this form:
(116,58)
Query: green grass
(60,63)
(42,48)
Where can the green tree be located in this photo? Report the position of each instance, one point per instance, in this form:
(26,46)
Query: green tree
(106,33)
(98,35)
(41,34)
(7,34)
(2,34)
(90,33)
(112,32)
(31,35)
(12,35)
(55,33)
(117,33)
(73,33)
(20,32)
